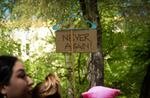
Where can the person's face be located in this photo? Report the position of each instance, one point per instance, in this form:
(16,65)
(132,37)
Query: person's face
(20,84)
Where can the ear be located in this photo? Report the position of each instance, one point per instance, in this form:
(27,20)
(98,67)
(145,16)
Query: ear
(3,89)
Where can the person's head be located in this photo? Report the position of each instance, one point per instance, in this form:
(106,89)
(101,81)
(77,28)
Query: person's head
(49,88)
(14,82)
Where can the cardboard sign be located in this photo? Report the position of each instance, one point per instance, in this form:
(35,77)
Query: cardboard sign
(76,41)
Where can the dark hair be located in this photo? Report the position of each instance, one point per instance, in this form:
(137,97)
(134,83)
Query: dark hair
(56,95)
(35,91)
(6,66)
(81,96)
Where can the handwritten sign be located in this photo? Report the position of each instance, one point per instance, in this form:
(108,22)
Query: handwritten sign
(76,41)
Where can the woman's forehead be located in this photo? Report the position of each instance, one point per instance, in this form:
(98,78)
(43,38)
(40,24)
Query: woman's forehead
(18,66)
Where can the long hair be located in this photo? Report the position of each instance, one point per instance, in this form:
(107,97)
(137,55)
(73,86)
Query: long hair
(6,68)
(49,88)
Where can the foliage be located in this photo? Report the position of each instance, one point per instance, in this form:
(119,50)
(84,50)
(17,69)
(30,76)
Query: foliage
(125,41)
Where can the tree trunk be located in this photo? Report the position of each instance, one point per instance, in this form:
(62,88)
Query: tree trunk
(96,63)
(145,89)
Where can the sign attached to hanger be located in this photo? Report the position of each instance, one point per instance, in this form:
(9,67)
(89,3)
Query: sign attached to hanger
(76,41)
